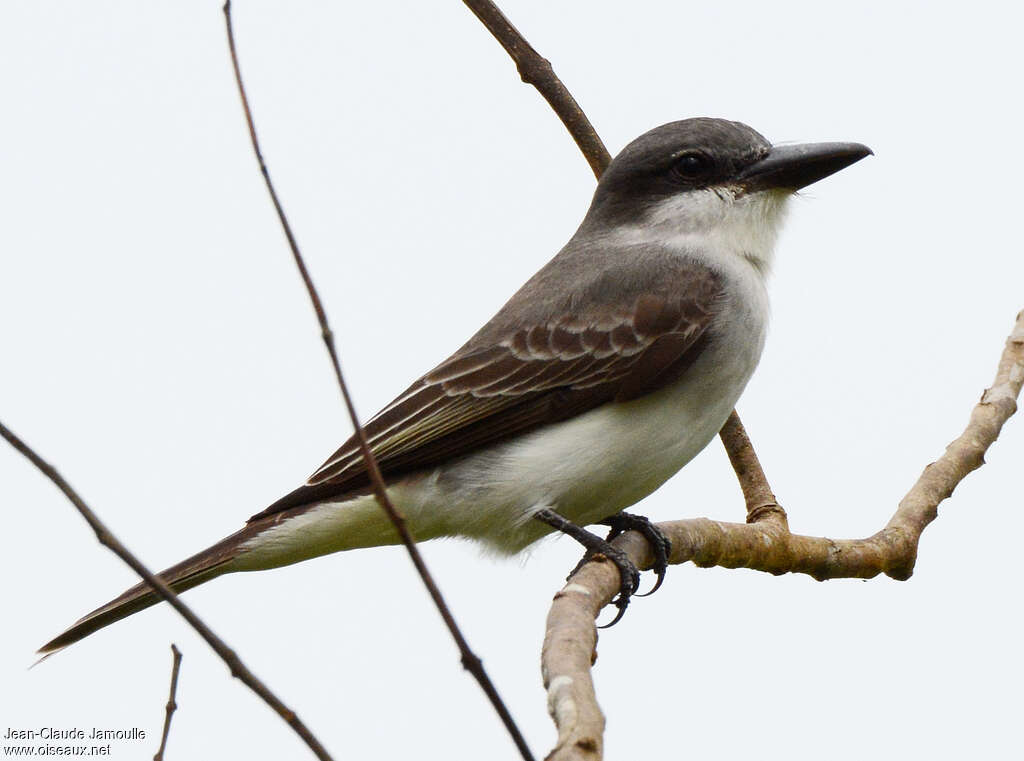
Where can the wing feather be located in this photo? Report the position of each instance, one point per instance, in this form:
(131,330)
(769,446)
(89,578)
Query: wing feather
(535,375)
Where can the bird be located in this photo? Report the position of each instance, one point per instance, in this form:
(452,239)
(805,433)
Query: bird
(605,374)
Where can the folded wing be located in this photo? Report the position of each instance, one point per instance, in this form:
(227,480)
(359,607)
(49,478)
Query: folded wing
(535,376)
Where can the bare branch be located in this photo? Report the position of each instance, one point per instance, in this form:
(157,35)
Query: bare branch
(761,504)
(238,669)
(172,705)
(536,70)
(469,659)
(764,545)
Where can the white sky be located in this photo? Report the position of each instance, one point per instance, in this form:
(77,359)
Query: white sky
(158,347)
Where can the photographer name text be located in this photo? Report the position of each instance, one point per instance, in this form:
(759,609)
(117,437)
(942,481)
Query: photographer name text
(74,733)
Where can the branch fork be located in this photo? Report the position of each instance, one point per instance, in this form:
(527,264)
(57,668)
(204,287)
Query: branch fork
(763,543)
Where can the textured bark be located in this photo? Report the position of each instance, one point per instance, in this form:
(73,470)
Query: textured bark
(764,543)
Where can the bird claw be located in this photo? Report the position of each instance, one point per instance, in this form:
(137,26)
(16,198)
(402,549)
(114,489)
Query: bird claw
(629,582)
(660,544)
(620,603)
(629,576)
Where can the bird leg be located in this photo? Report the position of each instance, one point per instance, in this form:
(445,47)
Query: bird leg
(629,576)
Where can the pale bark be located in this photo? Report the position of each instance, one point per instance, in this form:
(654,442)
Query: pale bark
(763,544)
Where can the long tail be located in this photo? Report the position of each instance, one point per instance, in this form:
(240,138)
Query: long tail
(267,541)
(200,568)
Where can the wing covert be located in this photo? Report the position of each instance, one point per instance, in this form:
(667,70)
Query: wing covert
(535,376)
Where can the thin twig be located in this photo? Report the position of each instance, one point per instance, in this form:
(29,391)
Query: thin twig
(765,545)
(172,704)
(108,540)
(536,70)
(469,659)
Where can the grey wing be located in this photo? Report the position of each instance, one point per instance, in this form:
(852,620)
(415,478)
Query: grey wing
(533,377)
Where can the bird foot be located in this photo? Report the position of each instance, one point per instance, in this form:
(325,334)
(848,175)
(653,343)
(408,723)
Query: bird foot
(660,544)
(629,576)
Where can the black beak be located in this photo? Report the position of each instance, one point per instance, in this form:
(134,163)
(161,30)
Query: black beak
(793,167)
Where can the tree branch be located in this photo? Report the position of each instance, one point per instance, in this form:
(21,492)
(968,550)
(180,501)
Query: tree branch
(757,494)
(763,545)
(470,661)
(172,705)
(536,70)
(238,669)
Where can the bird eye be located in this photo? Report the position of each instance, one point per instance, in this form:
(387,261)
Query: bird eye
(692,165)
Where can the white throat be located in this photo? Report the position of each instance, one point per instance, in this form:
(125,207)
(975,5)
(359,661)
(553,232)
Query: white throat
(721,220)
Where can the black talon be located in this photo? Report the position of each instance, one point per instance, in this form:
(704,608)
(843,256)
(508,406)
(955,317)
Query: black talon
(621,604)
(629,582)
(660,544)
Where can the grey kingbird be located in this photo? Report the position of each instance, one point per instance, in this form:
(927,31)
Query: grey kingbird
(599,379)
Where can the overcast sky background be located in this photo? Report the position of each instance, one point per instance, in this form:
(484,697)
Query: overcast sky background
(157,346)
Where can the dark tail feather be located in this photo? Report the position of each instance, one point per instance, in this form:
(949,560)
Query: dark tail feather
(199,568)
